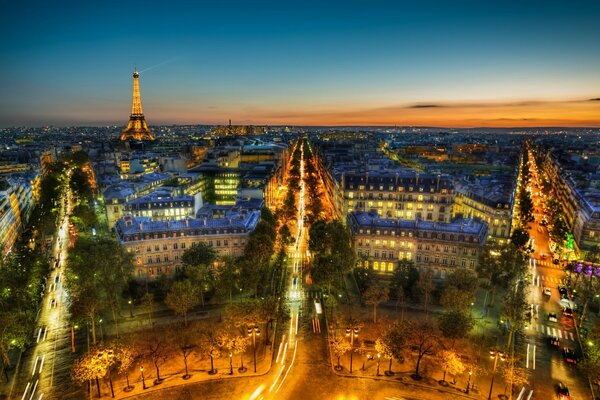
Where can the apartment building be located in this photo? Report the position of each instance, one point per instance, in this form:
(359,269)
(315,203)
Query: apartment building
(157,246)
(381,243)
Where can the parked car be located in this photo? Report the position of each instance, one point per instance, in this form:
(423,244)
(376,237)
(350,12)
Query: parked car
(552,317)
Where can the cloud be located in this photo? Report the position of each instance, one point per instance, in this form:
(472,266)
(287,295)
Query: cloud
(595,99)
(425,106)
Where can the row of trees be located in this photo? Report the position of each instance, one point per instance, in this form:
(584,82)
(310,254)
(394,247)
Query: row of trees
(203,339)
(290,210)
(203,272)
(96,277)
(24,270)
(333,255)
(22,276)
(311,179)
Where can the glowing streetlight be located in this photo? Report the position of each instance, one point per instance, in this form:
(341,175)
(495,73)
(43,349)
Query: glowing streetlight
(495,355)
(143,379)
(254,332)
(351,332)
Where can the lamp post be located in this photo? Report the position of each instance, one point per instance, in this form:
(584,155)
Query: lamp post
(351,332)
(378,362)
(107,357)
(254,332)
(143,380)
(469,382)
(230,363)
(495,355)
(130,308)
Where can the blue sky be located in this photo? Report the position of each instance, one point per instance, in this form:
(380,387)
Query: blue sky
(302,62)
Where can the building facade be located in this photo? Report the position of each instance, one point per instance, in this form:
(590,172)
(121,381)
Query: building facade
(16,204)
(580,206)
(381,243)
(157,246)
(405,195)
(491,203)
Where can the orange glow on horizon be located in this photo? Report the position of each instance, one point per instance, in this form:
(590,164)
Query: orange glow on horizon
(579,113)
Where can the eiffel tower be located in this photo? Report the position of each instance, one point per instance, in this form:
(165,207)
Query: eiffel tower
(137,128)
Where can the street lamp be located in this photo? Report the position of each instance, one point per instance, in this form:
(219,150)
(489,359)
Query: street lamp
(351,332)
(469,381)
(495,355)
(143,380)
(107,356)
(378,362)
(130,308)
(230,363)
(254,332)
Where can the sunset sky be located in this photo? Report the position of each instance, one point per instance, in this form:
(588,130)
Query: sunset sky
(431,63)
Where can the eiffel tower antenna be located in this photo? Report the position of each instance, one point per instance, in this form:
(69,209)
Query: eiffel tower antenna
(136,128)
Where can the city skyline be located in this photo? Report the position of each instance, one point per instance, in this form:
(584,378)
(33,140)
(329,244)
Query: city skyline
(435,64)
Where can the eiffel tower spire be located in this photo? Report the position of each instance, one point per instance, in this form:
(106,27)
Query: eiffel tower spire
(137,128)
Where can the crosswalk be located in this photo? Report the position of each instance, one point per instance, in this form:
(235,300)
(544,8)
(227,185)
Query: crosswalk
(548,264)
(302,295)
(554,332)
(543,280)
(535,262)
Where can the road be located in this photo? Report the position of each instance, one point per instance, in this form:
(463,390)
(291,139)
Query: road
(44,371)
(544,362)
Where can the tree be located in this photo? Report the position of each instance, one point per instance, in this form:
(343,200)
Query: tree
(424,337)
(154,346)
(227,277)
(149,303)
(97,275)
(426,286)
(199,254)
(90,367)
(519,237)
(590,364)
(211,342)
(513,375)
(455,324)
(236,344)
(339,347)
(181,298)
(593,255)
(559,230)
(286,235)
(184,340)
(374,296)
(455,299)
(391,343)
(404,280)
(124,356)
(514,308)
(201,277)
(451,363)
(83,216)
(14,332)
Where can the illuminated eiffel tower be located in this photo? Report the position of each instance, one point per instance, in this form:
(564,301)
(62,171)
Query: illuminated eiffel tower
(137,128)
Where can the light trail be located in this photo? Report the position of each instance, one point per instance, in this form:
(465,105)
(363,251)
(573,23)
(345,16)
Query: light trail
(289,367)
(33,389)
